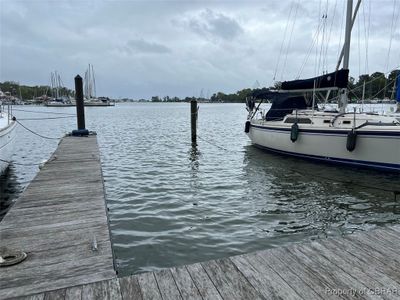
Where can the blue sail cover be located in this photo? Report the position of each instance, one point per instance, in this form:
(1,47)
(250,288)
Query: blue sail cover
(337,79)
(398,87)
(283,104)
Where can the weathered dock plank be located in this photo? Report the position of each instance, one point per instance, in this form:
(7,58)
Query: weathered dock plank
(185,283)
(230,283)
(334,268)
(357,266)
(61,222)
(148,286)
(130,288)
(167,285)
(203,282)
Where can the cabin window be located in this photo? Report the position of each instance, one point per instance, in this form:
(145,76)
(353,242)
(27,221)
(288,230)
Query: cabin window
(327,121)
(346,122)
(298,120)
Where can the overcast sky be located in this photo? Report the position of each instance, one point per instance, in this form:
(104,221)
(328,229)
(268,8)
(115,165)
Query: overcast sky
(178,48)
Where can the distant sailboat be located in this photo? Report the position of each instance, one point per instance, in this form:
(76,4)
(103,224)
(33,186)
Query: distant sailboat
(58,98)
(89,90)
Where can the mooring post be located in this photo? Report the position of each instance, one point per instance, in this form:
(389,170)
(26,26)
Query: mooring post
(80,108)
(193,119)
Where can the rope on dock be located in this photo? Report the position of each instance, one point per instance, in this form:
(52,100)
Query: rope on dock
(38,134)
(218,146)
(43,112)
(50,118)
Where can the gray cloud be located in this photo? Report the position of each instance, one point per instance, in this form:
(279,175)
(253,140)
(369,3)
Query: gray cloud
(211,25)
(142,46)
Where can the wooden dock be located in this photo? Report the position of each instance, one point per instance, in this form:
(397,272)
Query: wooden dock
(62,212)
(59,221)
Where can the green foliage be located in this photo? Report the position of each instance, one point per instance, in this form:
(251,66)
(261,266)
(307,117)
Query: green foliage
(377,86)
(30,92)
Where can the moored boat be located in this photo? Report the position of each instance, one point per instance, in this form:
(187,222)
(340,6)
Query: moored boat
(355,139)
(294,126)
(7,138)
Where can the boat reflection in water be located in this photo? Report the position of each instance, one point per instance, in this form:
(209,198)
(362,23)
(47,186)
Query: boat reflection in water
(296,199)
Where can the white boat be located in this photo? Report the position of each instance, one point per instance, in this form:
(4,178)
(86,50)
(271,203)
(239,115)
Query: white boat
(294,126)
(7,138)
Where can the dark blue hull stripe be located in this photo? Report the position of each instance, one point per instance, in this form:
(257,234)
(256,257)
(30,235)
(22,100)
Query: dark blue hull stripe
(343,132)
(334,160)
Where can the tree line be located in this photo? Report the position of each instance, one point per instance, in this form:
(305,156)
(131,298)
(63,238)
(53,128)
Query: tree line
(376,85)
(25,92)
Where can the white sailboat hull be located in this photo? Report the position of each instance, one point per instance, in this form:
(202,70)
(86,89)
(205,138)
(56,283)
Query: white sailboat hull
(7,138)
(379,149)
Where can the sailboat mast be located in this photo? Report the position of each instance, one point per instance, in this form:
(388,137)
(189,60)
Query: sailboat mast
(352,24)
(398,91)
(344,92)
(347,34)
(94,83)
(363,95)
(89,84)
(52,85)
(57,84)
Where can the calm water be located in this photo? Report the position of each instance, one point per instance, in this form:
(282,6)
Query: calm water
(172,204)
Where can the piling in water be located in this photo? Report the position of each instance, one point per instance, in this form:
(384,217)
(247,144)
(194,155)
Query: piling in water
(193,119)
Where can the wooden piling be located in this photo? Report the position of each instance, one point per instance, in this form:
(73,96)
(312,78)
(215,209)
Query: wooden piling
(193,120)
(80,109)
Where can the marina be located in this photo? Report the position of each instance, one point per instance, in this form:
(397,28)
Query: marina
(202,160)
(78,262)
(205,203)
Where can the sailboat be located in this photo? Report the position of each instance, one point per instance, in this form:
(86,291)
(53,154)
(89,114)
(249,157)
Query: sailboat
(89,90)
(7,137)
(295,126)
(58,100)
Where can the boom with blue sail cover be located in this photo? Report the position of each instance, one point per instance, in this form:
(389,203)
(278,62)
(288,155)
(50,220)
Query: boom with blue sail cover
(338,79)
